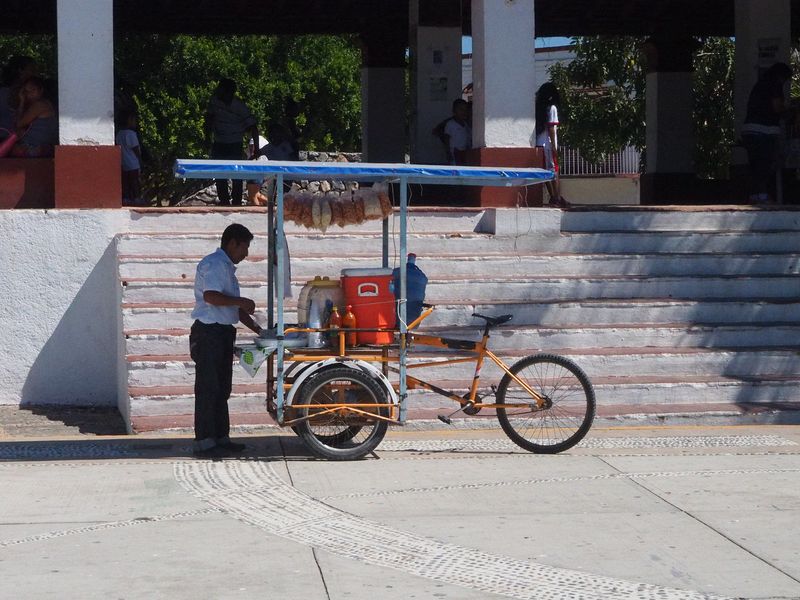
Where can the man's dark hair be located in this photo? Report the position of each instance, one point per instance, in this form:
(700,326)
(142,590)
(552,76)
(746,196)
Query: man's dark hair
(779,72)
(237,232)
(459,102)
(226,86)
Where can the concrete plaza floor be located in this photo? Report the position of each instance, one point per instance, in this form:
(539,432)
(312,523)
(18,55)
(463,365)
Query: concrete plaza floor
(692,512)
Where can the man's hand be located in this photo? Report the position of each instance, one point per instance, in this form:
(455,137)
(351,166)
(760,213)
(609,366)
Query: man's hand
(247,305)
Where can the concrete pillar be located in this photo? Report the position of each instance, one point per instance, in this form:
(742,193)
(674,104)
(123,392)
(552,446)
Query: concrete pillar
(383,98)
(504,87)
(670,131)
(435,73)
(87,163)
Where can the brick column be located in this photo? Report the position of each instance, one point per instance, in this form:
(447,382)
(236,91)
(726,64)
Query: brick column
(504,87)
(87,163)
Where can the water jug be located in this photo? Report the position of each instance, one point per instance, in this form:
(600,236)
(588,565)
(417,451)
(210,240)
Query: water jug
(416,282)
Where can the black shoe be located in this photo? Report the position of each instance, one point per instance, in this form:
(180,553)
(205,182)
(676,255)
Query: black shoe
(231,446)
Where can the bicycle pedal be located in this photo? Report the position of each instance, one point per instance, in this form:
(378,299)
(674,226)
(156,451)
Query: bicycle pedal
(445,419)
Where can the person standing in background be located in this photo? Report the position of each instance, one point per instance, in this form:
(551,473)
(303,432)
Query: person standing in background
(227,121)
(128,141)
(547,102)
(455,132)
(761,132)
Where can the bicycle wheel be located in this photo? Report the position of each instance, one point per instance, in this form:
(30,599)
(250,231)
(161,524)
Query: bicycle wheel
(569,406)
(345,435)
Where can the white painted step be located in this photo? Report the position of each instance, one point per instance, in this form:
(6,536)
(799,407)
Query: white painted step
(673,362)
(532,289)
(477,244)
(510,338)
(738,218)
(553,314)
(632,394)
(307,267)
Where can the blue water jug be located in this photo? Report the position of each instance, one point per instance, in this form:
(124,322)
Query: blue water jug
(416,282)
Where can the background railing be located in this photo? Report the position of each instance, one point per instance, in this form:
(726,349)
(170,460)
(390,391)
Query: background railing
(624,162)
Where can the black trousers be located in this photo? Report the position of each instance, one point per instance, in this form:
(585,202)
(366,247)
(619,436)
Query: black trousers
(229,152)
(211,347)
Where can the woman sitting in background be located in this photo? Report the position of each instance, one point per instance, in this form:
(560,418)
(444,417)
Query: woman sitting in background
(37,124)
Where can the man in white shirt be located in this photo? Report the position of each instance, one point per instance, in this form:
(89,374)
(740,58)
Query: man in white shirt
(218,307)
(455,132)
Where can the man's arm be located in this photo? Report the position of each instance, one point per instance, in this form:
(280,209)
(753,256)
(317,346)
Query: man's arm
(245,305)
(249,322)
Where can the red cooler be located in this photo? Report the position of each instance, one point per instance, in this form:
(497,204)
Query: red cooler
(370,294)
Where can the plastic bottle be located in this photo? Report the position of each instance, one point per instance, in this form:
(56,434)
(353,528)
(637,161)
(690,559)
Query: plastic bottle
(334,324)
(349,322)
(416,282)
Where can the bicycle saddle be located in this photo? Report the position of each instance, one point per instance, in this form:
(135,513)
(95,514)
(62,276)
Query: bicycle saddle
(492,321)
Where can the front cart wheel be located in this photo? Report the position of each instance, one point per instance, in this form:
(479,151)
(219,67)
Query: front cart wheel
(342,433)
(568,409)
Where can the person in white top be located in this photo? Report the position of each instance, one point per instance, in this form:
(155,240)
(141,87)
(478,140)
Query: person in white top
(455,132)
(128,142)
(218,307)
(547,101)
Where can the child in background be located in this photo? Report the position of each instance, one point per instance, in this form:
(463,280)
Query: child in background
(128,141)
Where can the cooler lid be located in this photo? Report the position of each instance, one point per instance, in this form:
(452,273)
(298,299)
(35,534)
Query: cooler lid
(323,282)
(377,272)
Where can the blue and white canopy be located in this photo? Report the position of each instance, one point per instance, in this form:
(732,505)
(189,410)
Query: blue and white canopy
(187,168)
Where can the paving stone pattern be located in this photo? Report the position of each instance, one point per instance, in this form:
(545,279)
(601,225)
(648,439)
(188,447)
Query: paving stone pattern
(253,492)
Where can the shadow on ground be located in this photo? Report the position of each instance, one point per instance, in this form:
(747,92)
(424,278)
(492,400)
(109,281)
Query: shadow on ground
(263,448)
(46,420)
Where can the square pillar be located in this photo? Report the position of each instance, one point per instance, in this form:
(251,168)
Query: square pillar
(504,89)
(670,172)
(86,106)
(504,74)
(383,96)
(435,77)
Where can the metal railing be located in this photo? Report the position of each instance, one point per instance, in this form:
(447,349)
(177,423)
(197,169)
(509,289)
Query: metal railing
(624,162)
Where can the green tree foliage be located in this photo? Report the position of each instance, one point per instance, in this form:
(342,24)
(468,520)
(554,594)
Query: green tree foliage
(171,82)
(603,94)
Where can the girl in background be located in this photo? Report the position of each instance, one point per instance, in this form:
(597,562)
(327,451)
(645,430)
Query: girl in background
(547,101)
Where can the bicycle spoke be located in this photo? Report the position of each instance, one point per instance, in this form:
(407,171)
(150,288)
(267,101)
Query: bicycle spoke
(568,409)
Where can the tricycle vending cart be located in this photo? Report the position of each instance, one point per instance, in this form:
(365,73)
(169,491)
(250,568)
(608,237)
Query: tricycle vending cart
(340,400)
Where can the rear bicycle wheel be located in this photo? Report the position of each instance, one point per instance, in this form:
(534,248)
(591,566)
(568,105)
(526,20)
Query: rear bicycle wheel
(343,434)
(568,410)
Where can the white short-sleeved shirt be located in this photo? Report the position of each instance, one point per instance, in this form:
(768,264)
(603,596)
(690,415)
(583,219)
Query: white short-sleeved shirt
(543,139)
(460,135)
(230,121)
(127,141)
(216,272)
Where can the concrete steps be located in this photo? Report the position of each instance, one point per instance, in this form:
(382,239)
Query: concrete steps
(444,265)
(658,306)
(516,288)
(610,311)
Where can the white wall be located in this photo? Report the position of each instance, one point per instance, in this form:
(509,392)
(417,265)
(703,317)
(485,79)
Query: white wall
(59,315)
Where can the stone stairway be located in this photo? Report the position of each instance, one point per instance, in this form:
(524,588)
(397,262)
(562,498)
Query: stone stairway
(667,310)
